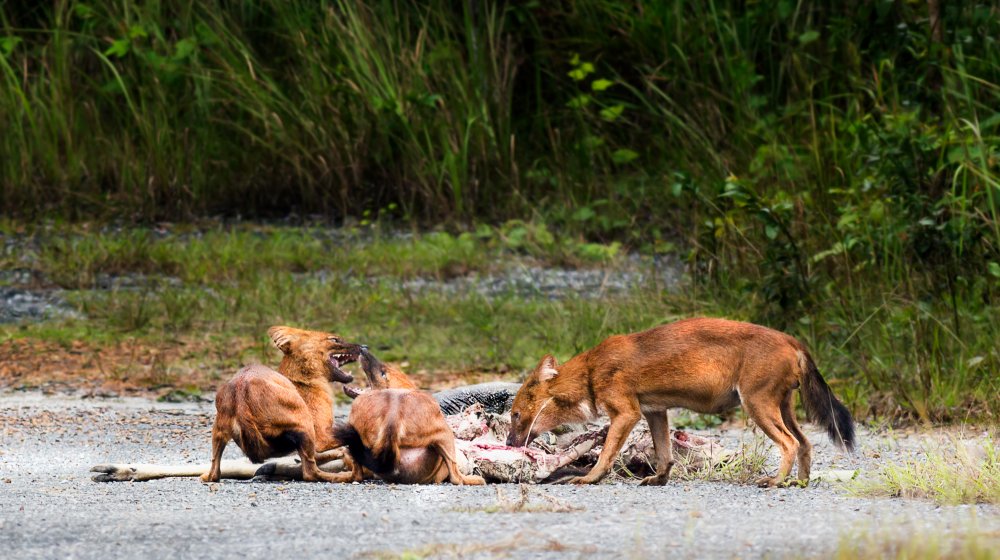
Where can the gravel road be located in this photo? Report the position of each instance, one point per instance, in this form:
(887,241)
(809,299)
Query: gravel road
(49,507)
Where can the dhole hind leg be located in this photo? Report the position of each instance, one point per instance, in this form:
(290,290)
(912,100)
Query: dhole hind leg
(767,414)
(220,438)
(307,454)
(659,430)
(446,449)
(805,448)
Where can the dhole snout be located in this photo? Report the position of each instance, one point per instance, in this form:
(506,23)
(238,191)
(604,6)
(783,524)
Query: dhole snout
(384,376)
(380,376)
(316,351)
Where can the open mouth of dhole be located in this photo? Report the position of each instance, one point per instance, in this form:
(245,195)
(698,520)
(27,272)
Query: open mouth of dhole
(353,391)
(339,359)
(373,371)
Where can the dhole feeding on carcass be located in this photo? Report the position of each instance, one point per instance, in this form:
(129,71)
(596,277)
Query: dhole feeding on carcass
(702,364)
(399,433)
(273,413)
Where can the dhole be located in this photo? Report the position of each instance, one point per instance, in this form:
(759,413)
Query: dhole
(705,365)
(399,433)
(273,413)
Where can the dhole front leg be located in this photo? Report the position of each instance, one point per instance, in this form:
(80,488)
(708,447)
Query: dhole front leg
(310,470)
(659,431)
(621,426)
(220,437)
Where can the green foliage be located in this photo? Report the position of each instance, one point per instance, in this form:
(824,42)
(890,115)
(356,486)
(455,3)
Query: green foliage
(164,109)
(74,258)
(967,472)
(462,332)
(831,170)
(911,543)
(890,359)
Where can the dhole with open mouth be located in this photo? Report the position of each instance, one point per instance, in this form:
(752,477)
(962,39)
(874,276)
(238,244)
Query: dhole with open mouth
(273,413)
(702,364)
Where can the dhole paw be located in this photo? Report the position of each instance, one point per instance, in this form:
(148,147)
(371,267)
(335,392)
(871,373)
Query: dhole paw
(579,480)
(112,473)
(775,482)
(207,477)
(766,482)
(660,478)
(474,480)
(654,480)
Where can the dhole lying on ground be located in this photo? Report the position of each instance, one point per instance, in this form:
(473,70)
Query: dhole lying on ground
(702,364)
(399,434)
(273,413)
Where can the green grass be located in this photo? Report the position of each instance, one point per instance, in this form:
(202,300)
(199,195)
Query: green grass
(746,465)
(966,544)
(890,358)
(966,472)
(433,331)
(831,171)
(73,257)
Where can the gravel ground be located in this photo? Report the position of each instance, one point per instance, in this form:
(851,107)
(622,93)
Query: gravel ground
(49,507)
(557,283)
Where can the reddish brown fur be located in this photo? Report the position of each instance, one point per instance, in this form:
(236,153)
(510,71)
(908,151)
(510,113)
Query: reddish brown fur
(705,365)
(399,433)
(387,376)
(272,413)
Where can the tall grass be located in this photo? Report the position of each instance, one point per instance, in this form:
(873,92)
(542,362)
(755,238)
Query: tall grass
(831,169)
(164,109)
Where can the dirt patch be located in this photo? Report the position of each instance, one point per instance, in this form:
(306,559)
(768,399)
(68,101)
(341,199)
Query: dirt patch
(137,367)
(130,366)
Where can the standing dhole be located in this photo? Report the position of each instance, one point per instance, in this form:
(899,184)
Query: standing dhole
(702,364)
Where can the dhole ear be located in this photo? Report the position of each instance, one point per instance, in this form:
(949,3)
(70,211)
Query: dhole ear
(547,368)
(282,338)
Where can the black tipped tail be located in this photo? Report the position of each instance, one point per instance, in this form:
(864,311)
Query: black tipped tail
(824,408)
(379,461)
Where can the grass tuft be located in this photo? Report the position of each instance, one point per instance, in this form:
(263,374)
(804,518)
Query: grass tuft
(966,472)
(919,545)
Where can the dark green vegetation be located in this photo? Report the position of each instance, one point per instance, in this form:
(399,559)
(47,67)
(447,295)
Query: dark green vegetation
(828,168)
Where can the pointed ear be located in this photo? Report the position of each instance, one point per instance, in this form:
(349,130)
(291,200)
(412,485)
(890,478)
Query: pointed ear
(547,368)
(282,337)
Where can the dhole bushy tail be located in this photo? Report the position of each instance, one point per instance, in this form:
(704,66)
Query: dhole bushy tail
(823,407)
(380,458)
